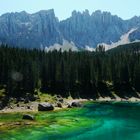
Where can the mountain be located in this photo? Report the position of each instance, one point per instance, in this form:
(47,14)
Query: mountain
(124,39)
(82,30)
(30,30)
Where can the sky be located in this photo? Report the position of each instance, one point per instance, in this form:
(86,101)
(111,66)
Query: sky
(123,8)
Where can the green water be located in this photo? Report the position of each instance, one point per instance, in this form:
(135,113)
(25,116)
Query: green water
(94,121)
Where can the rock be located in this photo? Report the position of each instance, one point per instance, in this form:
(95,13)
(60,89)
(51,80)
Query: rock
(58,96)
(26,101)
(59,105)
(11,107)
(69,106)
(28,117)
(1,124)
(17,123)
(61,100)
(27,123)
(28,107)
(33,97)
(21,99)
(45,107)
(76,104)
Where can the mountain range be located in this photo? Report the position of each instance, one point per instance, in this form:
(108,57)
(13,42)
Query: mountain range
(80,31)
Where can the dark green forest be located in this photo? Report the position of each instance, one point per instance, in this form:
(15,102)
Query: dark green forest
(79,74)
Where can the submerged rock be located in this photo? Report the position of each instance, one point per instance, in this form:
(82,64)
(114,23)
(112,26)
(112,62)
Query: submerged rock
(28,117)
(45,107)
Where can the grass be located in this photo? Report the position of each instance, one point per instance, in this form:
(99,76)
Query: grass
(45,97)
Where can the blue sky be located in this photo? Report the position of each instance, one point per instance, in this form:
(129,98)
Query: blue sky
(63,8)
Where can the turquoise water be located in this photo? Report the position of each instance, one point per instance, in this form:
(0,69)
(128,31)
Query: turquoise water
(94,121)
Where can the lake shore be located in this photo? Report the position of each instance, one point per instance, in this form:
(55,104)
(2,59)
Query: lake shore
(33,106)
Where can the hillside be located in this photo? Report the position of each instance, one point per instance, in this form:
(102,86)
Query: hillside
(26,73)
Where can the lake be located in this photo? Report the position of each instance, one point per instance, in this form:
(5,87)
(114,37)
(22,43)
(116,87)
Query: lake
(94,121)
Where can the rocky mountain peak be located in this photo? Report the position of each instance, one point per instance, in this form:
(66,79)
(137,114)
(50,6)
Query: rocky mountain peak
(47,12)
(43,29)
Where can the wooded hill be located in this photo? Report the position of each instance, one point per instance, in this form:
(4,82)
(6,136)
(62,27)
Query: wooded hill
(79,74)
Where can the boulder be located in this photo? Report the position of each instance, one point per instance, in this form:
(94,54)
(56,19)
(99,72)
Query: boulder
(28,117)
(76,104)
(45,107)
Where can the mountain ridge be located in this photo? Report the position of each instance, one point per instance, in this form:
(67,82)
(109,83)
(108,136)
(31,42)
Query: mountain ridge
(43,29)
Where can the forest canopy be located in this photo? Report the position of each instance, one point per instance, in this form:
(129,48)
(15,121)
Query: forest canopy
(83,73)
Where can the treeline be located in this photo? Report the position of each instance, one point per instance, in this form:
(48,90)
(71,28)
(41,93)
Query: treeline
(83,74)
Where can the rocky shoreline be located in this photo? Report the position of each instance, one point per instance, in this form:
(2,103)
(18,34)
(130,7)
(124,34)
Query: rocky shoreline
(34,106)
(65,103)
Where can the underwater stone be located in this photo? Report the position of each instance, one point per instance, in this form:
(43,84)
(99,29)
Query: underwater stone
(28,117)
